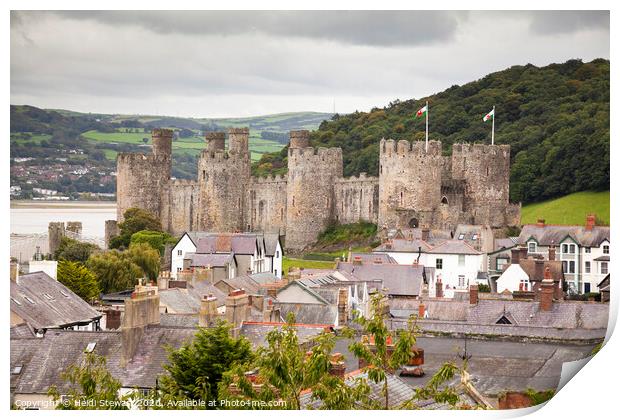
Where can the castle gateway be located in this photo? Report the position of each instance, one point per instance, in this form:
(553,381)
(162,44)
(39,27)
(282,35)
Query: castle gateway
(415,188)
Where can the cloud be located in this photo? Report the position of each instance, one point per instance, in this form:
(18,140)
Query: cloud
(209,64)
(568,21)
(377,28)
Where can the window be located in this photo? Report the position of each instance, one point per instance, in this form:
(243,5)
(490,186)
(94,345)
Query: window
(571,248)
(439,263)
(524,285)
(474,236)
(503,320)
(500,263)
(604,268)
(17,370)
(588,266)
(569,267)
(275,272)
(179,268)
(277,254)
(564,248)
(180,252)
(531,247)
(588,250)
(605,249)
(461,281)
(461,236)
(28,299)
(17,302)
(461,259)
(62,292)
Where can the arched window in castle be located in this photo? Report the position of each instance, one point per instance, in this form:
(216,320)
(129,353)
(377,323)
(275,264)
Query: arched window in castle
(413,223)
(401,198)
(444,200)
(487,171)
(327,202)
(293,201)
(381,169)
(204,175)
(369,207)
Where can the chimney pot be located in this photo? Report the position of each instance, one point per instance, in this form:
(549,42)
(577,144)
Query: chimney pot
(590,221)
(540,223)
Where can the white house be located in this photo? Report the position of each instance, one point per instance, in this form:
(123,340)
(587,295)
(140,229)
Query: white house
(254,252)
(583,250)
(456,263)
(513,279)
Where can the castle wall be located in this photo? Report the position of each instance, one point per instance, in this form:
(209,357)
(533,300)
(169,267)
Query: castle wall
(266,209)
(357,198)
(223,177)
(485,170)
(180,206)
(141,177)
(310,193)
(409,183)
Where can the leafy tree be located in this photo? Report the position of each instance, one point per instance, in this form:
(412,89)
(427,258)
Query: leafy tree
(73,250)
(114,271)
(92,387)
(157,240)
(135,220)
(285,369)
(79,279)
(145,257)
(195,370)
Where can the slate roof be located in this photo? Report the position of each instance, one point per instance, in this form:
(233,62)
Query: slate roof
(257,332)
(309,313)
(529,266)
(554,234)
(403,245)
(566,314)
(21,331)
(46,303)
(213,260)
(503,244)
(603,286)
(399,391)
(271,243)
(179,320)
(399,279)
(187,301)
(264,278)
(237,243)
(434,235)
(367,258)
(244,282)
(454,246)
(602,258)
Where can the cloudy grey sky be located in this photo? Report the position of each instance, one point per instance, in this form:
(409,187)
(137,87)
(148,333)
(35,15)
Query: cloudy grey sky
(217,64)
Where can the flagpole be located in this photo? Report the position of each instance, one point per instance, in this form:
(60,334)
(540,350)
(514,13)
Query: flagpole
(493,128)
(426,126)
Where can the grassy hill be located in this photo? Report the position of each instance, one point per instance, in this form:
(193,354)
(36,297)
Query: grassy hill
(569,210)
(555,118)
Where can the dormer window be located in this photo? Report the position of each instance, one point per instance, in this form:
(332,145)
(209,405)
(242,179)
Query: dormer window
(605,249)
(531,247)
(461,236)
(474,236)
(17,302)
(29,300)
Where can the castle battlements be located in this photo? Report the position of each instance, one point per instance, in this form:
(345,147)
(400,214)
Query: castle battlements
(269,179)
(405,147)
(415,187)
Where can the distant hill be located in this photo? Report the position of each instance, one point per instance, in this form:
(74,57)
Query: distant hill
(555,118)
(569,210)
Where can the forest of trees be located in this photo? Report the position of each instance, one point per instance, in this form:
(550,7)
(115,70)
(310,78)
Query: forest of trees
(555,118)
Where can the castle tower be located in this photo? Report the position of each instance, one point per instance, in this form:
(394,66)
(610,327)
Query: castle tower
(485,170)
(215,140)
(141,178)
(409,183)
(223,178)
(310,189)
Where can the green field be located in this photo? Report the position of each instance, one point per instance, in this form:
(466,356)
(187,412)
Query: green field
(568,210)
(20,138)
(287,263)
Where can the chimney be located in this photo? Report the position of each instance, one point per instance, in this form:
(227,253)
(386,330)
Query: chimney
(357,260)
(112,319)
(473,294)
(237,309)
(514,256)
(208,311)
(343,303)
(336,365)
(268,311)
(540,223)
(538,270)
(522,253)
(421,309)
(546,293)
(425,234)
(590,221)
(551,252)
(439,288)
(14,271)
(141,310)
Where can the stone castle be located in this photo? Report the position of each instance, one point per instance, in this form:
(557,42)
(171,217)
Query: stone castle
(415,188)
